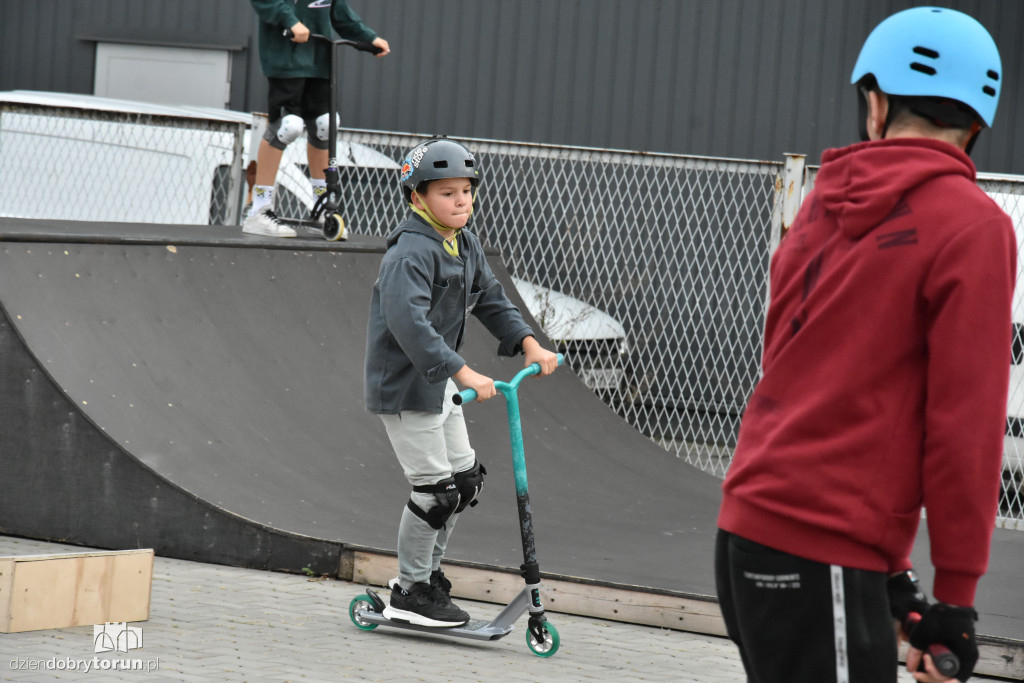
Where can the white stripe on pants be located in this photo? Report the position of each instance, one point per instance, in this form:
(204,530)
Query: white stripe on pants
(839,624)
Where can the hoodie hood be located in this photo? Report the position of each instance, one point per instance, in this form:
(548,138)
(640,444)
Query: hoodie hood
(862,184)
(413,224)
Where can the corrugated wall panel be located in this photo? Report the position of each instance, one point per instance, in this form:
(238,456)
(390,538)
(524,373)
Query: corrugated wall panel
(735,78)
(728,78)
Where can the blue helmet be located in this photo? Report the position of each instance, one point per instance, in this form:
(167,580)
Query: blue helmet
(934,52)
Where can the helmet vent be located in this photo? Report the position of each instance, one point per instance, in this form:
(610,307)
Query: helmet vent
(469,163)
(926,52)
(988,89)
(443,163)
(923,68)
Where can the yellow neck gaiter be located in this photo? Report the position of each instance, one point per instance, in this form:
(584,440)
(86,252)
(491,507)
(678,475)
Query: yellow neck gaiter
(451,246)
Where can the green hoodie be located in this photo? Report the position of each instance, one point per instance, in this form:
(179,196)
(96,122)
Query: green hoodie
(281,58)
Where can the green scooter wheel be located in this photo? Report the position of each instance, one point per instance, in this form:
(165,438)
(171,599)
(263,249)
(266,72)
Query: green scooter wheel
(356,608)
(550,644)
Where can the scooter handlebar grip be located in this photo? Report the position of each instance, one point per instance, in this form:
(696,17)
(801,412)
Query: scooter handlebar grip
(945,661)
(468,395)
(464,396)
(367,47)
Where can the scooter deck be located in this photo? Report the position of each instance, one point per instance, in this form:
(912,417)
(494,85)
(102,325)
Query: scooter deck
(309,228)
(475,629)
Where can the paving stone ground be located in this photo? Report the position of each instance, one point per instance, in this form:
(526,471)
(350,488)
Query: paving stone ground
(214,623)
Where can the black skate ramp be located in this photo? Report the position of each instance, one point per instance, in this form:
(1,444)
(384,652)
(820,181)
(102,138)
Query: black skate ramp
(199,391)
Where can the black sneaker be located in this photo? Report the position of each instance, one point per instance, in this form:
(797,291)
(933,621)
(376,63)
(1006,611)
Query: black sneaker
(424,606)
(440,582)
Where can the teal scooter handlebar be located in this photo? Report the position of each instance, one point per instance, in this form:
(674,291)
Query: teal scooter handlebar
(467,395)
(540,634)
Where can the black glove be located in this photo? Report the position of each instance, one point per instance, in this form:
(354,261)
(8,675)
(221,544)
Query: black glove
(905,597)
(953,627)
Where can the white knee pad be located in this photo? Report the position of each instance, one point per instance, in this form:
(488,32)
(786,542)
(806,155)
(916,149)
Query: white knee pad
(291,127)
(323,123)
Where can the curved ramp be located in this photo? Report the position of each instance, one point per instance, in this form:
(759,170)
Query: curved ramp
(199,391)
(209,398)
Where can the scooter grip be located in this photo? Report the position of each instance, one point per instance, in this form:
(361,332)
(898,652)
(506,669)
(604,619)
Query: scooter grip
(367,47)
(464,396)
(945,660)
(467,395)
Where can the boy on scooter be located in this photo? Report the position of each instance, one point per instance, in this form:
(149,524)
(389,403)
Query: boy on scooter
(297,71)
(433,275)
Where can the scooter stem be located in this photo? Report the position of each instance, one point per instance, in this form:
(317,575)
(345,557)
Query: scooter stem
(531,570)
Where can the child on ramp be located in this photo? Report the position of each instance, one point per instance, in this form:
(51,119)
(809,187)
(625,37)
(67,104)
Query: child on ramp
(433,275)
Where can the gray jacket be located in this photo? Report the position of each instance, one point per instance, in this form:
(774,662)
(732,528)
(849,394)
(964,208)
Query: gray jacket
(421,301)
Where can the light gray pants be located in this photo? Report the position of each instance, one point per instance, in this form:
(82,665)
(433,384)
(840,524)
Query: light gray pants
(430,448)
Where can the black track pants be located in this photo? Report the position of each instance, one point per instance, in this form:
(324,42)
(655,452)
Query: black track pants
(798,621)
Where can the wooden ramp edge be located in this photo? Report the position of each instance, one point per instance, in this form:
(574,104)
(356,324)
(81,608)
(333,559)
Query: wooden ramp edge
(1000,657)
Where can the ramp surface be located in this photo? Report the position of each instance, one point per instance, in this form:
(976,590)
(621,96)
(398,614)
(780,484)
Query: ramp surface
(199,391)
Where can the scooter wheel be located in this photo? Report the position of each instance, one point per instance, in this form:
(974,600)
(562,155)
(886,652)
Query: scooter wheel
(334,228)
(359,605)
(550,644)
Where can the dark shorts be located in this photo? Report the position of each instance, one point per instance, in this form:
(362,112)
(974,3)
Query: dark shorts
(799,621)
(307,98)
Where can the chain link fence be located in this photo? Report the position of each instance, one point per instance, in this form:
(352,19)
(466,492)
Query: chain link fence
(675,250)
(151,164)
(649,271)
(651,266)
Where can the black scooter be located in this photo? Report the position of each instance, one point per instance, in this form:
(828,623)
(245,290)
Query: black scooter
(328,205)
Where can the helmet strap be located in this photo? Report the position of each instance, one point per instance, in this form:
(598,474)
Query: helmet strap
(975,131)
(452,246)
(862,115)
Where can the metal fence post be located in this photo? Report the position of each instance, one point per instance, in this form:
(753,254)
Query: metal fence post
(236,179)
(789,191)
(792,193)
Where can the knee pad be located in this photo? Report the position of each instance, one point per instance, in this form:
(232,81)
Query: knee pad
(284,131)
(323,126)
(469,483)
(446,494)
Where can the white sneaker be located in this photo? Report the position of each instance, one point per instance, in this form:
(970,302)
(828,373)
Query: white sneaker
(266,222)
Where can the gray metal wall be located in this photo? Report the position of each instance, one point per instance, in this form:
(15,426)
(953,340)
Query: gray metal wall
(738,78)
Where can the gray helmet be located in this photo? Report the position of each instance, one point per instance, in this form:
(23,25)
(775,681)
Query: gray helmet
(435,159)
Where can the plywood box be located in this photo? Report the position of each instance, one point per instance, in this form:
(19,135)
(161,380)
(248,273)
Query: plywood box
(74,589)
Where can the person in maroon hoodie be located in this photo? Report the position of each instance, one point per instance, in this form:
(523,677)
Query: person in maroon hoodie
(884,385)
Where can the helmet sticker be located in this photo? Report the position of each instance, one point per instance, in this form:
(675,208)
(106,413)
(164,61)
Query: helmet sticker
(413,162)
